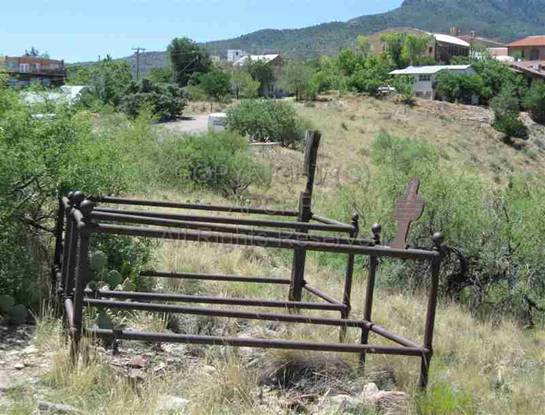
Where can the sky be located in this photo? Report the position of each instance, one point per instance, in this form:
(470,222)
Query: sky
(82,30)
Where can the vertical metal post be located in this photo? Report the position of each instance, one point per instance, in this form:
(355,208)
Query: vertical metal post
(305,214)
(349,275)
(56,283)
(370,292)
(82,276)
(70,254)
(430,314)
(299,254)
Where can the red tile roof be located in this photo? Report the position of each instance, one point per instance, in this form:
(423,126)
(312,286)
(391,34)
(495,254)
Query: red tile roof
(528,41)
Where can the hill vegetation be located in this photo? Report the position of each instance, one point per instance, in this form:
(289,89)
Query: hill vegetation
(504,20)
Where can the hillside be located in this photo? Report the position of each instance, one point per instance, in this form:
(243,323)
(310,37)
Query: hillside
(502,19)
(499,19)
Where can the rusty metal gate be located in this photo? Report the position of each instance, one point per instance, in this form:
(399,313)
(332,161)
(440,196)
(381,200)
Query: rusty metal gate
(81,217)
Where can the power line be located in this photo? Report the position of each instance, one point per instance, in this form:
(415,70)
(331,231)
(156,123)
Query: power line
(138,50)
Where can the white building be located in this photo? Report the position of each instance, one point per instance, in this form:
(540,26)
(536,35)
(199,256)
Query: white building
(425,76)
(234,55)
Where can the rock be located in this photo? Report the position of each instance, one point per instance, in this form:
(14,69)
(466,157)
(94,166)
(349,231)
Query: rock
(369,391)
(137,362)
(169,403)
(19,366)
(57,408)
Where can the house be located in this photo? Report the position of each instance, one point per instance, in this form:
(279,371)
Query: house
(533,70)
(500,54)
(25,70)
(234,55)
(531,48)
(276,62)
(441,47)
(425,77)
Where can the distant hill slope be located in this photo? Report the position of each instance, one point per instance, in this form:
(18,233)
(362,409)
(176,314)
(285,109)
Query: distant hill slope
(501,19)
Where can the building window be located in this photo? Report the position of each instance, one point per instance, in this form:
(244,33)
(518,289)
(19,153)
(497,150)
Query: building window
(24,67)
(424,78)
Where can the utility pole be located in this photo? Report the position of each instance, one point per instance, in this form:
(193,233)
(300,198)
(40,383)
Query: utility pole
(138,50)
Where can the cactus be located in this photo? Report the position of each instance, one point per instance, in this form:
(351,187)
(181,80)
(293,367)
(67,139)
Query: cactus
(114,279)
(6,303)
(98,261)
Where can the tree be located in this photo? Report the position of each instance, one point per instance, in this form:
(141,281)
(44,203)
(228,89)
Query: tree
(35,53)
(296,79)
(262,72)
(363,46)
(216,84)
(164,101)
(534,102)
(243,85)
(188,60)
(393,47)
(414,49)
(161,75)
(498,76)
(459,87)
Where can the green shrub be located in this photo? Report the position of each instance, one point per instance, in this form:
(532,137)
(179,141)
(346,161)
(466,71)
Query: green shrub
(40,159)
(458,87)
(165,101)
(215,161)
(511,126)
(534,102)
(506,107)
(493,235)
(267,121)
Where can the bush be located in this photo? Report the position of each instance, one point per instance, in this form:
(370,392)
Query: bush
(534,102)
(40,158)
(506,107)
(215,161)
(165,101)
(457,87)
(511,126)
(493,235)
(267,121)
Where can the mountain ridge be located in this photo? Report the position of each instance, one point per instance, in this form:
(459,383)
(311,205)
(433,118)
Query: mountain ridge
(504,20)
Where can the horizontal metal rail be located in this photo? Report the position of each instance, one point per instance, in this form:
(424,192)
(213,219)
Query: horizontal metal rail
(194,206)
(328,221)
(247,240)
(233,221)
(321,294)
(381,331)
(212,277)
(261,343)
(170,308)
(145,220)
(294,305)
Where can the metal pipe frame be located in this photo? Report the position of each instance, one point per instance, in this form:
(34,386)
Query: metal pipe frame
(81,221)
